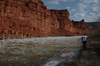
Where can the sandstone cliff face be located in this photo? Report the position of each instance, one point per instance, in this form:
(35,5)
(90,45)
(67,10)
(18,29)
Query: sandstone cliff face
(68,27)
(31,18)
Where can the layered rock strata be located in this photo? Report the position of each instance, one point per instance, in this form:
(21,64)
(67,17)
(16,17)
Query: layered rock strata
(31,18)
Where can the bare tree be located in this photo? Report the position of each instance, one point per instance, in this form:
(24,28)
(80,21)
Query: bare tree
(97,11)
(98,20)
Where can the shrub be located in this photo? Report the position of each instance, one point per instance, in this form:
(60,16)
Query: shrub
(93,33)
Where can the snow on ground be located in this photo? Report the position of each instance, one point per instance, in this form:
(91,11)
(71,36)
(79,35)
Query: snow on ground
(32,51)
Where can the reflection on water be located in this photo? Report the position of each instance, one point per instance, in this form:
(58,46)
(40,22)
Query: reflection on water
(29,52)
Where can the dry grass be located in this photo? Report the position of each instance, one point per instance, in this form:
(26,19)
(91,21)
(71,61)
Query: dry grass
(89,57)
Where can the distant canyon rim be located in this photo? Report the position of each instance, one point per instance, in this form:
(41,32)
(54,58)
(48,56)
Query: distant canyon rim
(31,18)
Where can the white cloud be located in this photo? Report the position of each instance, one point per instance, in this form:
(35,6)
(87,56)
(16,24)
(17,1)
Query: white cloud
(72,10)
(81,6)
(98,15)
(91,1)
(92,13)
(71,0)
(96,7)
(64,0)
(57,1)
(91,18)
(68,7)
(79,15)
(53,2)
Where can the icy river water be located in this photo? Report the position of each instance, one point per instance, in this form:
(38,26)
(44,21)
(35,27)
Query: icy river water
(32,51)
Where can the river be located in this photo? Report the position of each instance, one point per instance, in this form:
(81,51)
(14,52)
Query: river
(32,51)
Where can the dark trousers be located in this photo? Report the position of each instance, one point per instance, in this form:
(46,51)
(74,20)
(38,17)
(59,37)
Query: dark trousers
(84,44)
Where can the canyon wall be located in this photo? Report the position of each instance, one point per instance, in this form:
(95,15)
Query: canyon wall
(31,18)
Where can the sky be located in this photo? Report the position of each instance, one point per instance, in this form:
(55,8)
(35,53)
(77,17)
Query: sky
(89,10)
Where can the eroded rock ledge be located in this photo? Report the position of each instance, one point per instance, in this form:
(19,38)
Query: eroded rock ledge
(31,18)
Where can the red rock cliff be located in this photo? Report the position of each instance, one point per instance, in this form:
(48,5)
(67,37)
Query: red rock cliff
(31,18)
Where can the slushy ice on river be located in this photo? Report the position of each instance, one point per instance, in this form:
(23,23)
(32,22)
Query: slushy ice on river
(32,51)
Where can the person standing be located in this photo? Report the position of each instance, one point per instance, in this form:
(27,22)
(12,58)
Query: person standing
(84,37)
